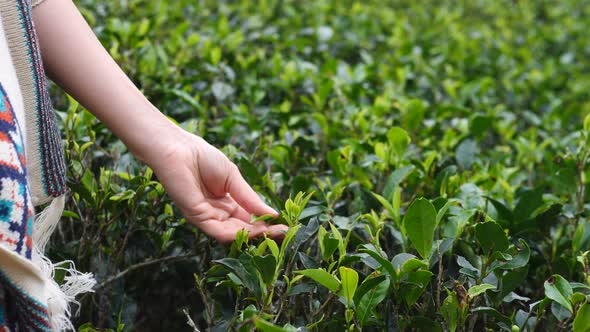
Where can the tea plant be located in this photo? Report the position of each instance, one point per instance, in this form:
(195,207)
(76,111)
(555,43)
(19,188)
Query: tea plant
(429,157)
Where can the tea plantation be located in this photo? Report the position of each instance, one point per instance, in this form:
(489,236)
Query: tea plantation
(430,158)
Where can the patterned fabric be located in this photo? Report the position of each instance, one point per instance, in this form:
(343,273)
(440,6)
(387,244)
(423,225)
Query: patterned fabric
(32,172)
(44,149)
(18,311)
(16,211)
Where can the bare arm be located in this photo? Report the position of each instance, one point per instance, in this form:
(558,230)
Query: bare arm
(75,59)
(204,184)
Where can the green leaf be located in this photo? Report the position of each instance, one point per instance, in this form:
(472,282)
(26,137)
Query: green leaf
(523,254)
(420,222)
(328,244)
(306,232)
(288,238)
(560,312)
(322,277)
(369,283)
(512,280)
(504,215)
(451,311)
(587,123)
(272,245)
(370,298)
(349,279)
(399,140)
(395,179)
(424,324)
(582,320)
(123,196)
(265,326)
(241,239)
(249,171)
(491,237)
(387,265)
(467,268)
(248,312)
(528,200)
(565,180)
(413,113)
(266,265)
(560,291)
(480,125)
(390,209)
(349,314)
(400,259)
(414,285)
(183,95)
(578,297)
(443,210)
(478,289)
(248,277)
(341,243)
(578,237)
(466,152)
(493,313)
(413,264)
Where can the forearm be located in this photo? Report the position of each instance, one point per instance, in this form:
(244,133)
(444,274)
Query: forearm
(205,185)
(74,58)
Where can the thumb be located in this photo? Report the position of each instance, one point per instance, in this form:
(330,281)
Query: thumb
(245,196)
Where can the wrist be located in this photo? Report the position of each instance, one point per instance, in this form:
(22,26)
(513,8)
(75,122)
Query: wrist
(153,137)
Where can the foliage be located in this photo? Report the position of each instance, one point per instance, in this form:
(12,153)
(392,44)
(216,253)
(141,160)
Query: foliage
(442,145)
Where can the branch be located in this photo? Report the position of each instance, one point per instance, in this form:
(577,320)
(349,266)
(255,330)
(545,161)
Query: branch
(142,265)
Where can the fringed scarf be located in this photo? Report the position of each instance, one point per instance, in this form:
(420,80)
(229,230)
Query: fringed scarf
(32,173)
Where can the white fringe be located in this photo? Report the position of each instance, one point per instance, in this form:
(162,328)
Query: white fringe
(58,298)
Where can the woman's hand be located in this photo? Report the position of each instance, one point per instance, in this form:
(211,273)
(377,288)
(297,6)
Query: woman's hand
(203,183)
(209,189)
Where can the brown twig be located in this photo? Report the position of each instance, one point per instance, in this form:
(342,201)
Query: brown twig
(142,265)
(324,305)
(439,278)
(210,310)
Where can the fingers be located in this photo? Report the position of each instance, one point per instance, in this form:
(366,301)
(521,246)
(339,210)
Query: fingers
(225,231)
(277,232)
(259,228)
(229,208)
(246,197)
(242,214)
(210,210)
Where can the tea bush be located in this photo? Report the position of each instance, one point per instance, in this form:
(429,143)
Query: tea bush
(430,158)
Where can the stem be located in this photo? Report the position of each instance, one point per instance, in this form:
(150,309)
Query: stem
(210,311)
(439,278)
(473,318)
(539,318)
(142,265)
(581,188)
(324,305)
(244,323)
(279,312)
(484,269)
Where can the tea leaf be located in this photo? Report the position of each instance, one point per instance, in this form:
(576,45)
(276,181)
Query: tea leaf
(560,291)
(349,279)
(420,222)
(478,289)
(369,295)
(322,277)
(582,320)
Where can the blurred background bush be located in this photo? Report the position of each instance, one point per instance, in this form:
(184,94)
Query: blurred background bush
(302,95)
